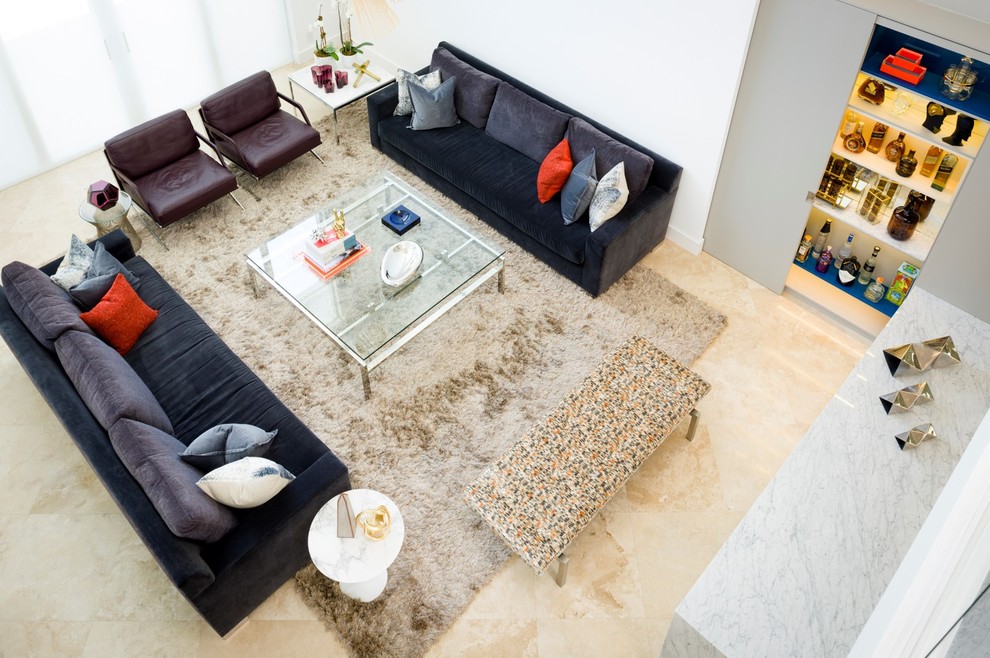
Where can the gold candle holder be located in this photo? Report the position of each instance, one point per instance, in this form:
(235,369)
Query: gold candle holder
(375,522)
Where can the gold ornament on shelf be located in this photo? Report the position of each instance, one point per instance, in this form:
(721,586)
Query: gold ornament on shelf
(375,522)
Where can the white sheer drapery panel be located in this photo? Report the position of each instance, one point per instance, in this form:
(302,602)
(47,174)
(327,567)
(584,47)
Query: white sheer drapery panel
(76,72)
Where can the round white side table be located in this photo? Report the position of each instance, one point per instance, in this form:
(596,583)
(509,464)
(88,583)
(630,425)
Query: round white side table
(112,218)
(359,564)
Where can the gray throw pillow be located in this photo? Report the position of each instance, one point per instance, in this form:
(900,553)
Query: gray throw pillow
(475,91)
(73,268)
(402,77)
(100,277)
(106,383)
(585,138)
(432,109)
(227,443)
(579,190)
(45,309)
(152,458)
(529,126)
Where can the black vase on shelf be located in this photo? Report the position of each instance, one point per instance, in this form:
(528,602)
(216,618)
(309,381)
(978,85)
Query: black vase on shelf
(964,130)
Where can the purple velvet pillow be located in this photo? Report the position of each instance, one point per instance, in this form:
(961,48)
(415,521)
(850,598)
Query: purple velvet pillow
(106,383)
(45,309)
(152,457)
(475,90)
(585,138)
(529,126)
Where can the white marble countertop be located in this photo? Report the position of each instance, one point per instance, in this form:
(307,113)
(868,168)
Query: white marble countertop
(804,569)
(354,559)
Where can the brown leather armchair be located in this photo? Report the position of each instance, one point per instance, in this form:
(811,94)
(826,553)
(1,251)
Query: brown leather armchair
(247,124)
(159,163)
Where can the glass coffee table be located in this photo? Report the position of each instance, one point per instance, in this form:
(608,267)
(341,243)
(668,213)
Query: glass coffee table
(367,318)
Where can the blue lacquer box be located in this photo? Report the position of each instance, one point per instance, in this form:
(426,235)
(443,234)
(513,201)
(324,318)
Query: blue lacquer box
(401,219)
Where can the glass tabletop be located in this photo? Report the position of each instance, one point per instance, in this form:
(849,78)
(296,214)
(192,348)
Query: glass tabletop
(356,307)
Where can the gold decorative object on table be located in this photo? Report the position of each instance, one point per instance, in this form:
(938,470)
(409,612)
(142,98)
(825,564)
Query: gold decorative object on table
(906,398)
(913,437)
(375,522)
(945,351)
(913,356)
(362,70)
(339,226)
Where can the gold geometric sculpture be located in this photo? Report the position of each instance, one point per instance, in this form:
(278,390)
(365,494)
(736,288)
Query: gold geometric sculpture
(905,398)
(945,351)
(913,356)
(913,437)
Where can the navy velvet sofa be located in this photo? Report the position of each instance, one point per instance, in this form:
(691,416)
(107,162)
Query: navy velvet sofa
(497,182)
(199,382)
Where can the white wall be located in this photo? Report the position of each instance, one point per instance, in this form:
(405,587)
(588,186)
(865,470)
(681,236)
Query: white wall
(662,73)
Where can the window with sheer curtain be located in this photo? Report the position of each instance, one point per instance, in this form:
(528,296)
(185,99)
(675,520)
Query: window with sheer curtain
(76,72)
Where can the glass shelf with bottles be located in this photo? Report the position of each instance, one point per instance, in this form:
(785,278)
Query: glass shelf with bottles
(865,202)
(906,110)
(853,262)
(888,151)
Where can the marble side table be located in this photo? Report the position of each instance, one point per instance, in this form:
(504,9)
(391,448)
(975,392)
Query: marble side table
(359,564)
(112,218)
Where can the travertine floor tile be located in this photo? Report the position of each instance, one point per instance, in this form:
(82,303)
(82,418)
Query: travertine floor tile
(491,638)
(42,638)
(272,638)
(594,637)
(142,638)
(672,549)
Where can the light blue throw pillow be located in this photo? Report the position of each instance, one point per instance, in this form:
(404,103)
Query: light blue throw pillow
(579,190)
(432,109)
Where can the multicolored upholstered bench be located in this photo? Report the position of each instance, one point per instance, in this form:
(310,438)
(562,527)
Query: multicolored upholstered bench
(543,491)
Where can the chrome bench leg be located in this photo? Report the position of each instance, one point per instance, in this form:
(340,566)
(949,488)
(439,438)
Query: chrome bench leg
(693,427)
(317,156)
(561,576)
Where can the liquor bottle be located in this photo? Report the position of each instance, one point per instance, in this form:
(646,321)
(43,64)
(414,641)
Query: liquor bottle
(944,171)
(875,291)
(871,264)
(907,164)
(824,260)
(925,204)
(822,238)
(872,91)
(848,272)
(895,149)
(849,125)
(876,137)
(803,249)
(845,252)
(855,142)
(928,165)
(905,219)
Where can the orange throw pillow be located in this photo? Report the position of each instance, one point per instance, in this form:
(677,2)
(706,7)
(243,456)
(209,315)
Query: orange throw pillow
(554,171)
(121,316)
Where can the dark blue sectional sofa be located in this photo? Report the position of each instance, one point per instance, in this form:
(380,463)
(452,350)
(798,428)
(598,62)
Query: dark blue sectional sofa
(198,382)
(489,161)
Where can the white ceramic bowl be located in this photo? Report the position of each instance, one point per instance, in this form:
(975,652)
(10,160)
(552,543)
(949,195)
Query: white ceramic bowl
(400,263)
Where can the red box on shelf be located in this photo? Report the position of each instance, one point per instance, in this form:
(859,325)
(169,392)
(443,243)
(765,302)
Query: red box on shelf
(904,66)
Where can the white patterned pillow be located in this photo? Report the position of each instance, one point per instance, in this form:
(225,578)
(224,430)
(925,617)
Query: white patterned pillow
(73,268)
(247,482)
(429,81)
(610,196)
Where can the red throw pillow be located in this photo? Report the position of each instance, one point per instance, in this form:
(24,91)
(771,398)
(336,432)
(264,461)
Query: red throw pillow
(554,171)
(121,316)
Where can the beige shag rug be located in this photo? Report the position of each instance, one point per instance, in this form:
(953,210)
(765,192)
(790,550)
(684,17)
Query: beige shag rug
(446,405)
